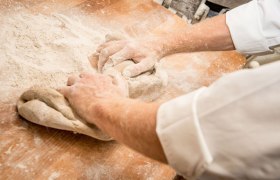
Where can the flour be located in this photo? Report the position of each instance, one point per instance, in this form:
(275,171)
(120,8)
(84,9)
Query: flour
(54,176)
(41,50)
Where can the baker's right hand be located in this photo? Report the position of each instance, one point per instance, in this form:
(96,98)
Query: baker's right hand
(145,52)
(89,94)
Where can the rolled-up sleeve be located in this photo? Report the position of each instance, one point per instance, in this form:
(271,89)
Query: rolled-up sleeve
(255,26)
(180,134)
(229,129)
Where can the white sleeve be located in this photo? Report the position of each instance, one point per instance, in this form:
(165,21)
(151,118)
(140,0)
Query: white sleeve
(180,135)
(230,129)
(255,26)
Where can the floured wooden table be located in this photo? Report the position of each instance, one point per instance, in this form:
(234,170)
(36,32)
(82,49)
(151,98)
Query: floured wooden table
(29,151)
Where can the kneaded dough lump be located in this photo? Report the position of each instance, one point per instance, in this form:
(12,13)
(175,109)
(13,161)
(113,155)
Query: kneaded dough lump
(147,86)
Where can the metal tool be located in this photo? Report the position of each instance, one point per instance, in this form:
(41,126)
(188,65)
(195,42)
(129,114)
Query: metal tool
(194,11)
(190,10)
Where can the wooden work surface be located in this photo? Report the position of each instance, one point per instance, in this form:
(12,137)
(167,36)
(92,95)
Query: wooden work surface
(29,151)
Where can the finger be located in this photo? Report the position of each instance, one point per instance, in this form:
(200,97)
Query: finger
(105,53)
(114,37)
(110,43)
(136,69)
(91,78)
(93,60)
(65,91)
(122,55)
(107,44)
(72,80)
(102,46)
(87,75)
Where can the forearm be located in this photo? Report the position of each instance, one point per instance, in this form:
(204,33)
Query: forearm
(132,123)
(209,35)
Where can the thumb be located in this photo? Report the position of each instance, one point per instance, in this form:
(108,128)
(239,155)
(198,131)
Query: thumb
(121,56)
(114,37)
(139,68)
(65,91)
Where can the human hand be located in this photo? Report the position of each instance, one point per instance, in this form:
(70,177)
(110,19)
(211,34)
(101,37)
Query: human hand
(87,93)
(144,52)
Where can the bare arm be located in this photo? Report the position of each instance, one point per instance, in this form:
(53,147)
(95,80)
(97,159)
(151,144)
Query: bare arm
(209,35)
(131,122)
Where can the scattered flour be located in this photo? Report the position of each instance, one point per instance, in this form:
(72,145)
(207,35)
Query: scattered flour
(21,166)
(9,151)
(41,50)
(54,176)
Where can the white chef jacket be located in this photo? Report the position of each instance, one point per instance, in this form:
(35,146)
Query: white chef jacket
(231,129)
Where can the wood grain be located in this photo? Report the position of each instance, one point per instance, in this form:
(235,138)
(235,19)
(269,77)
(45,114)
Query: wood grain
(29,151)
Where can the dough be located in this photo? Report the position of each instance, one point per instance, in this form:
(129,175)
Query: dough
(49,108)
(147,86)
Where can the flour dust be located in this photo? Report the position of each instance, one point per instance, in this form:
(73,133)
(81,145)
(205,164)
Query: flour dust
(43,50)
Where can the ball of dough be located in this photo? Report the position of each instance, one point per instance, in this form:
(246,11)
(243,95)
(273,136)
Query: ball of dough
(147,86)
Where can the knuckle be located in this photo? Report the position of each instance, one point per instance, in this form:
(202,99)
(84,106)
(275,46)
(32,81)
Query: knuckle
(129,47)
(103,52)
(83,74)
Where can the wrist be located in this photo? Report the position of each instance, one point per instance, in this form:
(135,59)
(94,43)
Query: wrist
(156,45)
(104,110)
(170,43)
(163,45)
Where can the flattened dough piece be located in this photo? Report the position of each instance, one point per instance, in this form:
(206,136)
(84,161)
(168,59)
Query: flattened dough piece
(49,108)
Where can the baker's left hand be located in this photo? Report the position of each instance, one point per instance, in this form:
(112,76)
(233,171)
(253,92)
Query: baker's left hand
(145,52)
(87,93)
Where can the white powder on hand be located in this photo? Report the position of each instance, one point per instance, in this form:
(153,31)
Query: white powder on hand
(41,50)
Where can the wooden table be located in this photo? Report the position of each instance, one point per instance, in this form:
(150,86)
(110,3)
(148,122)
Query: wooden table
(29,151)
